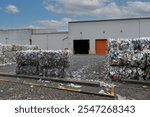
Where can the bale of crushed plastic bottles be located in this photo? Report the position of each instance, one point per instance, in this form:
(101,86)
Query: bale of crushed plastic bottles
(43,62)
(122,72)
(137,44)
(8,52)
(129,58)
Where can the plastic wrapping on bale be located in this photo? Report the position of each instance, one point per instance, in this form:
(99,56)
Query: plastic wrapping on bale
(129,58)
(47,63)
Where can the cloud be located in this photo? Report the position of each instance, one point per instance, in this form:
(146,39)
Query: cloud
(54,24)
(12,9)
(139,7)
(74,7)
(31,27)
(99,8)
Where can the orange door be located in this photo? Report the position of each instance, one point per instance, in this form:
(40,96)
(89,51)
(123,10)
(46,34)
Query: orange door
(101,47)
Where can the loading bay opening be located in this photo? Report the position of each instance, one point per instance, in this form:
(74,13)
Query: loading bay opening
(81,46)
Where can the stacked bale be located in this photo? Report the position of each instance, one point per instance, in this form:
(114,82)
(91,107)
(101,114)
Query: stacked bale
(27,62)
(8,52)
(129,58)
(44,63)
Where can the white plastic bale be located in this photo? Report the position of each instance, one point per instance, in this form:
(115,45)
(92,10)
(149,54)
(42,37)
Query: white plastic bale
(7,48)
(16,47)
(8,52)
(24,47)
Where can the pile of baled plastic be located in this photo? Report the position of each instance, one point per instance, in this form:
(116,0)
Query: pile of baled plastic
(43,62)
(8,52)
(129,58)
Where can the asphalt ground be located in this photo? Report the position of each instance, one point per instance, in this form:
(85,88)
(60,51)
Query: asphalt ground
(83,67)
(88,67)
(29,89)
(9,68)
(130,91)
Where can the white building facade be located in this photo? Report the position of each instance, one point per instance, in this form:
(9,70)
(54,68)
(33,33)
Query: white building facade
(96,32)
(50,41)
(44,38)
(15,36)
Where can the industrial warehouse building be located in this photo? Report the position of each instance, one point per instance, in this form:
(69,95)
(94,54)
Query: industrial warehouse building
(44,38)
(83,37)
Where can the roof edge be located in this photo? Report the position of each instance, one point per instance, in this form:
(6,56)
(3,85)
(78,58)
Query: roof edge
(63,32)
(136,18)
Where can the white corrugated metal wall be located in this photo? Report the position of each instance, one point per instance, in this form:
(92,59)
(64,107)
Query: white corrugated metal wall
(50,41)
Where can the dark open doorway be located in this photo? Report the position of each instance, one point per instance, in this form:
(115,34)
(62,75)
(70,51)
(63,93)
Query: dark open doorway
(81,46)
